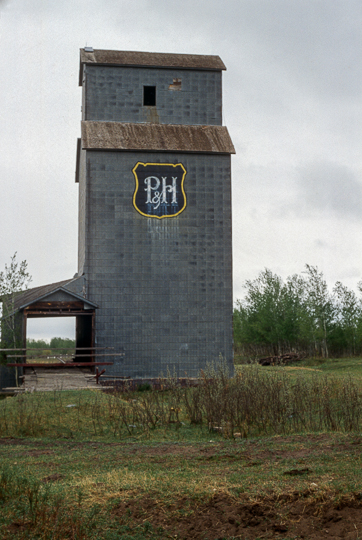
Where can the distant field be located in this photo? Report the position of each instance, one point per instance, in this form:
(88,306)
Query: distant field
(70,469)
(314,367)
(335,366)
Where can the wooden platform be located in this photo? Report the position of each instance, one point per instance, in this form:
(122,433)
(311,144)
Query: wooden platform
(47,380)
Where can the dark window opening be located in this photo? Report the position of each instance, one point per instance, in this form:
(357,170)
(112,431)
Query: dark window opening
(149,96)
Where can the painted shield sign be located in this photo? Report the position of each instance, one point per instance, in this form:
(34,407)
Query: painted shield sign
(159,189)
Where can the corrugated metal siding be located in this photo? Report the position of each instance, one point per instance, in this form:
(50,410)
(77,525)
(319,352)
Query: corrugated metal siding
(82,214)
(156,137)
(164,288)
(116,94)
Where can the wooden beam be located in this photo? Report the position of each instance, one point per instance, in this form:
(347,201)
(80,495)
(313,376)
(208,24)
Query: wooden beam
(57,305)
(68,355)
(59,349)
(64,313)
(70,364)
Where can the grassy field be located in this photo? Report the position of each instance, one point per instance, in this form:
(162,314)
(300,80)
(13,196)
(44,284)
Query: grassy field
(337,367)
(72,468)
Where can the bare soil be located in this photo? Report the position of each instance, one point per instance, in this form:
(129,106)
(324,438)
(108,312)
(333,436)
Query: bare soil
(292,514)
(223,517)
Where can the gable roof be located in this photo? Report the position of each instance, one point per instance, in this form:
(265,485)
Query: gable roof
(36,294)
(149,59)
(156,137)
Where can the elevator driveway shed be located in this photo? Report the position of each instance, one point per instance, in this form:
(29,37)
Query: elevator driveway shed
(61,299)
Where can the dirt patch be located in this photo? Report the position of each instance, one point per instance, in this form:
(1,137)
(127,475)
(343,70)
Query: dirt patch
(312,437)
(225,517)
(20,442)
(47,464)
(37,453)
(297,472)
(53,478)
(218,449)
(17,527)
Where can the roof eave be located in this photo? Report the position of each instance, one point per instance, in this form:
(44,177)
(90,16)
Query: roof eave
(89,58)
(179,68)
(130,137)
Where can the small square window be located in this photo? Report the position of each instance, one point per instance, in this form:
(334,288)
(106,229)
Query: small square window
(149,96)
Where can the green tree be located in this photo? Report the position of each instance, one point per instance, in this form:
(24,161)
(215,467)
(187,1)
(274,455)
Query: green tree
(298,322)
(347,314)
(62,345)
(320,307)
(299,314)
(267,313)
(14,279)
(36,344)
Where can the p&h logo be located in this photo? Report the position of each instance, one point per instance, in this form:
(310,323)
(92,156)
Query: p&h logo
(159,191)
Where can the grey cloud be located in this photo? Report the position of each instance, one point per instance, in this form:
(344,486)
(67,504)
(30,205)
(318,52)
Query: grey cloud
(330,187)
(291,92)
(321,244)
(315,41)
(311,42)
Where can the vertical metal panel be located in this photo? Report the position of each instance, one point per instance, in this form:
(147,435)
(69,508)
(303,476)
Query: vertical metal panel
(164,287)
(116,94)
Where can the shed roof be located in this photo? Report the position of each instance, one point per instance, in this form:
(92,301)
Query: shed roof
(156,137)
(149,59)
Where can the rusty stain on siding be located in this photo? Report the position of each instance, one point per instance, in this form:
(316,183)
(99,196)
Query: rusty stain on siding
(176,85)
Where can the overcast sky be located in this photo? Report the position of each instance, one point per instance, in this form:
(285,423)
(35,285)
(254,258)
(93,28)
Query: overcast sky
(292,96)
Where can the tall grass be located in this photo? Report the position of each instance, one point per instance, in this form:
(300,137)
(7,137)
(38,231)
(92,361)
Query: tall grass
(44,513)
(254,402)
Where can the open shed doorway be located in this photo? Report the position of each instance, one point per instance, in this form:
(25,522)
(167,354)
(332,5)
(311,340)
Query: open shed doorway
(56,335)
(79,329)
(45,328)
